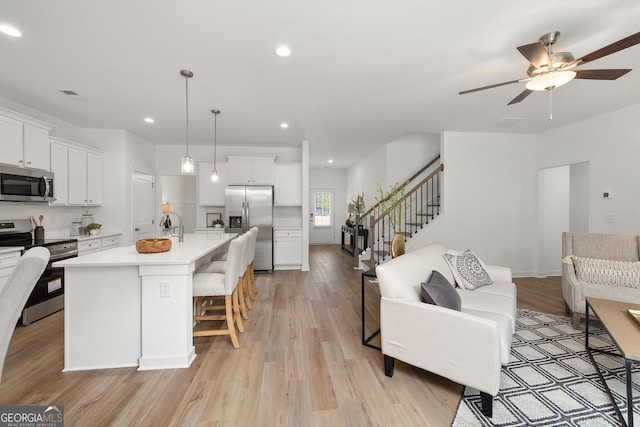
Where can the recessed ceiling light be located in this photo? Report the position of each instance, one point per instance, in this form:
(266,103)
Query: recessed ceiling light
(284,125)
(330,160)
(283,51)
(10,31)
(149,120)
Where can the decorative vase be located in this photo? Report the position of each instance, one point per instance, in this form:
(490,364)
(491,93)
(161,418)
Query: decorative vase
(397,245)
(218,226)
(93,232)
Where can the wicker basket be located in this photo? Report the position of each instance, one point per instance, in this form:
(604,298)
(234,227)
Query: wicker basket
(153,246)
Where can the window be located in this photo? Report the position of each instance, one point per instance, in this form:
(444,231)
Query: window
(322,203)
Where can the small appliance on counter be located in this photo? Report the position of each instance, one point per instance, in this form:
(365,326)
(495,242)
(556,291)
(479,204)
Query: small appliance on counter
(87,219)
(76,228)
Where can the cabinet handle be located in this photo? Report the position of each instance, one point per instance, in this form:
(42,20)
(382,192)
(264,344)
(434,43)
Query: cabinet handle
(28,163)
(19,161)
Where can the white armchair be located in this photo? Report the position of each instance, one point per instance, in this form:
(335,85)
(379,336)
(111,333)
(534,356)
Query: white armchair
(468,346)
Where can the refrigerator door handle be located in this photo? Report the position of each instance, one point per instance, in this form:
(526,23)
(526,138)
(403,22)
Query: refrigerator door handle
(248,213)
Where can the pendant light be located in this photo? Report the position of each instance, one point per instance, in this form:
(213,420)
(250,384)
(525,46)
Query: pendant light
(214,172)
(187,161)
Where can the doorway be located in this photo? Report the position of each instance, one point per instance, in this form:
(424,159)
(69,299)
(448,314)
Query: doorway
(564,206)
(322,216)
(142,214)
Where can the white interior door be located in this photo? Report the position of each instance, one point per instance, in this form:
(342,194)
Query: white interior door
(322,229)
(142,195)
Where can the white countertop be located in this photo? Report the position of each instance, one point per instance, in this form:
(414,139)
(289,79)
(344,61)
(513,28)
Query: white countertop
(193,248)
(4,250)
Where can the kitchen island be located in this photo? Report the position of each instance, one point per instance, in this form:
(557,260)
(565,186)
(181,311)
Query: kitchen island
(123,308)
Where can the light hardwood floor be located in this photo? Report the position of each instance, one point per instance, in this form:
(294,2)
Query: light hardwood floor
(300,363)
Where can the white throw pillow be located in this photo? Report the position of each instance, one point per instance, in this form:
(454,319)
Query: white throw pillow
(608,272)
(469,272)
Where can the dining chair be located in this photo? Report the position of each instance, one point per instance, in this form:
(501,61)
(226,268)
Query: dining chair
(16,291)
(207,285)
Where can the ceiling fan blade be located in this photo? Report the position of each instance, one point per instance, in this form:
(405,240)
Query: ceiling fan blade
(520,97)
(624,43)
(610,74)
(489,87)
(536,54)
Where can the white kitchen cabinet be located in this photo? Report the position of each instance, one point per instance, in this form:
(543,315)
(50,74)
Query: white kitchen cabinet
(287,249)
(98,243)
(36,147)
(95,179)
(85,177)
(11,135)
(287,190)
(259,170)
(86,247)
(8,262)
(211,193)
(60,167)
(110,242)
(25,142)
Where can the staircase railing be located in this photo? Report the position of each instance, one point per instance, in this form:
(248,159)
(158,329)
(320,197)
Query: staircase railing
(420,205)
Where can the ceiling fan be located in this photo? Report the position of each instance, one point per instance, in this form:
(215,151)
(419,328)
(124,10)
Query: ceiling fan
(549,70)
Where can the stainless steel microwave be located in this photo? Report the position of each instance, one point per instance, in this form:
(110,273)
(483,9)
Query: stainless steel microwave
(25,185)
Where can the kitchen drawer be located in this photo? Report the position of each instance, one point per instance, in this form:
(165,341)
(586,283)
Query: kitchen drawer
(111,242)
(88,246)
(291,233)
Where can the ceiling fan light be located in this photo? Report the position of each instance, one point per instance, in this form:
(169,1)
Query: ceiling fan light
(550,80)
(187,164)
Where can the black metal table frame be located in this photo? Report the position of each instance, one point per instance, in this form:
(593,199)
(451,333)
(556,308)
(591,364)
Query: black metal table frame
(365,339)
(627,364)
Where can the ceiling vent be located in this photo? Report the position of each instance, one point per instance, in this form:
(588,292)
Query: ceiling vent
(69,92)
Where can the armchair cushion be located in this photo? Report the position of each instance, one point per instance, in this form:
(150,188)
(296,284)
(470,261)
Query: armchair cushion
(468,270)
(437,290)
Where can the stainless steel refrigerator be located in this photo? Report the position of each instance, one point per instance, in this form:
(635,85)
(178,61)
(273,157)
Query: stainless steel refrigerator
(252,206)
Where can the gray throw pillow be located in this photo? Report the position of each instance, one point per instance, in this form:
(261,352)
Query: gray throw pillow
(437,290)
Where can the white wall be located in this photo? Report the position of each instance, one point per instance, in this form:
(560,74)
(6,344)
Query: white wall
(363,176)
(579,197)
(610,143)
(490,199)
(554,211)
(407,154)
(336,179)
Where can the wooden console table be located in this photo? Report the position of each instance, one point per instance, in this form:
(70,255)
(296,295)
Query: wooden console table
(363,235)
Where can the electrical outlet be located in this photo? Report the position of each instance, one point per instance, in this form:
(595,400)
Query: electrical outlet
(165,289)
(609,218)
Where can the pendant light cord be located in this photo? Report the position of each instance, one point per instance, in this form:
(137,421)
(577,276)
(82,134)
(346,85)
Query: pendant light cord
(215,138)
(186,85)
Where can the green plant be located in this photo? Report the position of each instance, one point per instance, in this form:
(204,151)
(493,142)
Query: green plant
(358,203)
(94,226)
(392,201)
(217,222)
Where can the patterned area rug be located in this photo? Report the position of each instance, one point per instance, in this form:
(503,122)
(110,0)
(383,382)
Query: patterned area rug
(550,380)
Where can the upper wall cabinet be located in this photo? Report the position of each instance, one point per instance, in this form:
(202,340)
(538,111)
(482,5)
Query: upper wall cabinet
(288,184)
(78,174)
(25,141)
(259,170)
(211,193)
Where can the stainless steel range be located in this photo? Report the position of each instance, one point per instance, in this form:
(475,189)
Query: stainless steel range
(48,294)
